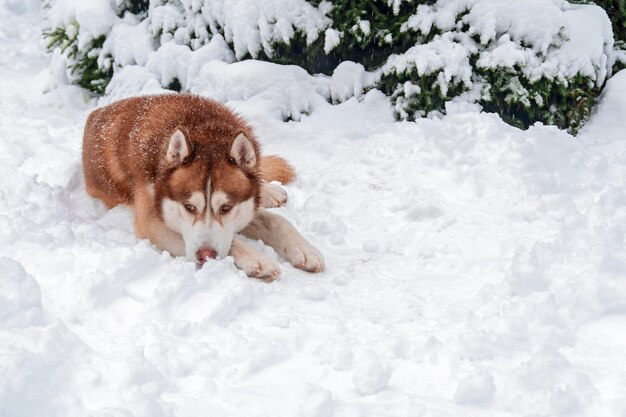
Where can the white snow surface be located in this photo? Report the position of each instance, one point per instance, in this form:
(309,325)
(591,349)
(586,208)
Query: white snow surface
(473,269)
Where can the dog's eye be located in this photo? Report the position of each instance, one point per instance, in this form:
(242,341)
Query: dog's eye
(225,208)
(231,160)
(190,208)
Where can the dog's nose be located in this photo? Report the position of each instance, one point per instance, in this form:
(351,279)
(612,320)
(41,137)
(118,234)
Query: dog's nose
(205,253)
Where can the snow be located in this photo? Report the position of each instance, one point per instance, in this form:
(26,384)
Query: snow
(332,38)
(372,377)
(250,26)
(531,22)
(94,18)
(349,79)
(316,402)
(588,47)
(475,389)
(445,53)
(129,42)
(608,124)
(473,268)
(285,91)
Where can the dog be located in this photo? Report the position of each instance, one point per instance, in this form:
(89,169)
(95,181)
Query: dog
(192,171)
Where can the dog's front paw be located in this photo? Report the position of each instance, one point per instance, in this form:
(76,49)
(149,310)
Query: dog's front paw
(258,267)
(304,256)
(253,262)
(272,195)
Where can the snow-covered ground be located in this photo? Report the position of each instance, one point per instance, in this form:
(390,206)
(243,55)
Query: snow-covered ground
(473,269)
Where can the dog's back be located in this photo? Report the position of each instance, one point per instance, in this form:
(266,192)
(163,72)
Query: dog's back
(124,142)
(110,161)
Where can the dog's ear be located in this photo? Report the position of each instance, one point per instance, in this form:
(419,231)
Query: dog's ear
(242,151)
(179,148)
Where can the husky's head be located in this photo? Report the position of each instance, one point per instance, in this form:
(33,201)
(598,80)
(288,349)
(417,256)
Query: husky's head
(208,188)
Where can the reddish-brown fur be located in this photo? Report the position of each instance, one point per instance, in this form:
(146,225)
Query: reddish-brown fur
(275,168)
(125,144)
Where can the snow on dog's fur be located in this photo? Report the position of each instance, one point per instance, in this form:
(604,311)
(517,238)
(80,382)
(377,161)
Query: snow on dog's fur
(191,169)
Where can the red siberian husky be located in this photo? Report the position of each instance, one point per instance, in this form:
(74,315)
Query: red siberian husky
(191,169)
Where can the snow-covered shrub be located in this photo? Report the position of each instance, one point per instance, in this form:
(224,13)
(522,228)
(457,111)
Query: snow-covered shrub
(77,32)
(83,61)
(362,31)
(528,60)
(116,34)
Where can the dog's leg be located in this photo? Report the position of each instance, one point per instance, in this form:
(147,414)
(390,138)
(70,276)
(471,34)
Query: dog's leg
(149,226)
(278,233)
(272,195)
(253,262)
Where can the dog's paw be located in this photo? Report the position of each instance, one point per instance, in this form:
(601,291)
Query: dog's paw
(258,267)
(304,256)
(272,195)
